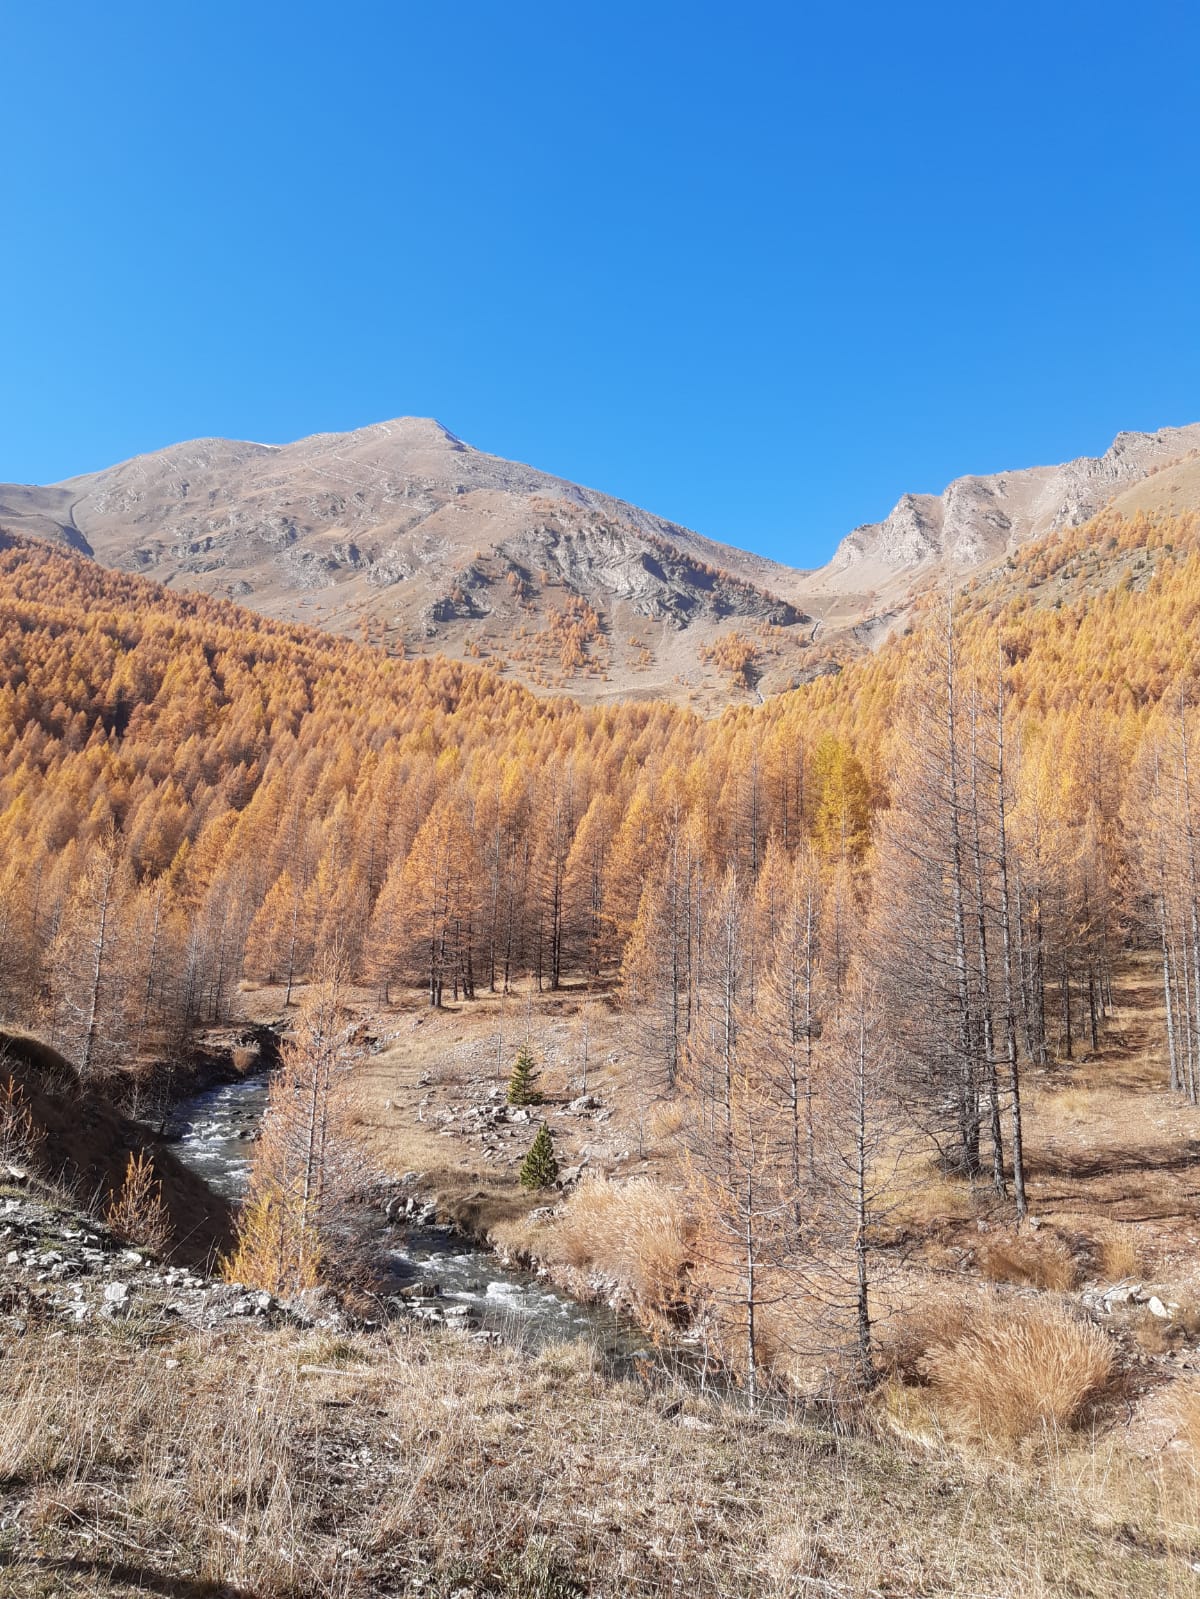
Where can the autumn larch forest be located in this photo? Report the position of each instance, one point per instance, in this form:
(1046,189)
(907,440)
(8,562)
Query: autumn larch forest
(843,956)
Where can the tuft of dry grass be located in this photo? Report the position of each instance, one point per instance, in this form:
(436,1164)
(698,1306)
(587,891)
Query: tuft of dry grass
(667,1120)
(1151,1332)
(634,1234)
(1074,1102)
(937,1321)
(1029,1259)
(1007,1376)
(1186,1415)
(1119,1254)
(21,1139)
(246,1058)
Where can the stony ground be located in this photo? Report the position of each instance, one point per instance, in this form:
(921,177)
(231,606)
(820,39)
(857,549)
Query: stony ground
(430,1098)
(60,1268)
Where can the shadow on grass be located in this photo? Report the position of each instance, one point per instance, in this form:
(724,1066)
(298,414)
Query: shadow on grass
(1136,1174)
(1087,1166)
(112,1572)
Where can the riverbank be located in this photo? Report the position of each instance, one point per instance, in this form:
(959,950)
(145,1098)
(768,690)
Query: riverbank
(163,1432)
(431,1098)
(1111,1160)
(430,1102)
(187,1437)
(398,1255)
(150,1090)
(69,1135)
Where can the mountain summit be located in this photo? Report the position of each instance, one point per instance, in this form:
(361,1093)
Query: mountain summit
(405,534)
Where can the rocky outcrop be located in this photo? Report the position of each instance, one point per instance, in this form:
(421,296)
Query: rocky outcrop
(61,1265)
(979,518)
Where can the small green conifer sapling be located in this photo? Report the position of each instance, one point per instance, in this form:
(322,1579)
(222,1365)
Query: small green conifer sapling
(539,1169)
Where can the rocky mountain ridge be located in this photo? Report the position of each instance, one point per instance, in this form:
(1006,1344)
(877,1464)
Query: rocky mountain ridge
(407,536)
(977,518)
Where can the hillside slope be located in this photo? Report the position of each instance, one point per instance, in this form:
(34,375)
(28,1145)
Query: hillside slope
(979,519)
(84,1144)
(405,536)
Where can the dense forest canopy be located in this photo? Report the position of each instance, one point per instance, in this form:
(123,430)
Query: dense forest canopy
(991,804)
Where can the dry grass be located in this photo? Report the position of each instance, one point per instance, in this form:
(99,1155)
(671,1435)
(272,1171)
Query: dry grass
(634,1232)
(666,1120)
(21,1140)
(194,1459)
(1120,1253)
(291,1466)
(936,1321)
(1186,1415)
(1029,1259)
(1150,1332)
(1009,1375)
(921,1196)
(634,1235)
(246,1058)
(1076,1103)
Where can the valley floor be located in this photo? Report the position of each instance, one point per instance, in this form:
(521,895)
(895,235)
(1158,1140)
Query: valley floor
(224,1453)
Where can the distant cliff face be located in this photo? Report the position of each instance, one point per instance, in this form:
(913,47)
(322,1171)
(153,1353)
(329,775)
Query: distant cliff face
(979,518)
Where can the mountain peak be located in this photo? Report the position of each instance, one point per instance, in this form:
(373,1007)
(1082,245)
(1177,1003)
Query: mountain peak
(404,533)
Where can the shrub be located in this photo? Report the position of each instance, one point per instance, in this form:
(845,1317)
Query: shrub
(21,1138)
(137,1213)
(1012,1375)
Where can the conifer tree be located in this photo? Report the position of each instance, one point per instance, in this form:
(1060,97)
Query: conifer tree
(138,1213)
(539,1169)
(522,1085)
(301,1167)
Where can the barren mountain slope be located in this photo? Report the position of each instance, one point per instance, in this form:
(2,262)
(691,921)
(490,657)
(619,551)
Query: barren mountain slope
(41,513)
(878,566)
(406,535)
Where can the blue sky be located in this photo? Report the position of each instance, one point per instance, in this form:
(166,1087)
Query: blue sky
(759,268)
